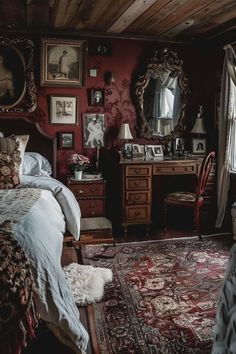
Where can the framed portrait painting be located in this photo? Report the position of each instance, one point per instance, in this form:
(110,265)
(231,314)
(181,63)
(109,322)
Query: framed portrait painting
(94,126)
(66,140)
(17,87)
(63,109)
(63,62)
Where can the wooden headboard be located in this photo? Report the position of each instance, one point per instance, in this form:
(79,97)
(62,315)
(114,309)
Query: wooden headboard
(39,141)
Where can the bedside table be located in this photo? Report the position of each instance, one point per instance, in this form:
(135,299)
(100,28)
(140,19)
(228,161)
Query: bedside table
(90,195)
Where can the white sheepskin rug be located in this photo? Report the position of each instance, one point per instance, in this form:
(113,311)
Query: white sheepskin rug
(87,282)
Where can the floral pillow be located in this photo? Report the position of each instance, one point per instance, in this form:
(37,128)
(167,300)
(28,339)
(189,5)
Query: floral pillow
(9,163)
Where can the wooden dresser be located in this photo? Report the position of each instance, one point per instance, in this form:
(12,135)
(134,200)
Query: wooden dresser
(90,195)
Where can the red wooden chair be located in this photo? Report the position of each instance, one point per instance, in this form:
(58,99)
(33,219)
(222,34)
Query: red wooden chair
(189,199)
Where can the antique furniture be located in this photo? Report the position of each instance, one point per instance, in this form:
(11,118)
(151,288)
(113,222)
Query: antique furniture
(161,81)
(140,195)
(90,195)
(192,200)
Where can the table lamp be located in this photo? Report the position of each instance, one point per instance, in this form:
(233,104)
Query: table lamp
(199,127)
(125,134)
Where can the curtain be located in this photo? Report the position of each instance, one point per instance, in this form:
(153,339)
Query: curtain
(226,130)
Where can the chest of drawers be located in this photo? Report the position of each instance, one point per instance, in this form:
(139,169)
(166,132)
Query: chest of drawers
(90,196)
(136,201)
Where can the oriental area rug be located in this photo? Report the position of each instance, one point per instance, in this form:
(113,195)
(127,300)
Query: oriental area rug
(163,296)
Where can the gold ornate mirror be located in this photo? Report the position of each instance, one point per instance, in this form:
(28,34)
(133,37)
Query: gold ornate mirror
(161,95)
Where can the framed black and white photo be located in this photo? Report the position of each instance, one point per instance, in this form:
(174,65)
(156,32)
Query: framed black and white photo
(66,140)
(157,150)
(149,152)
(63,110)
(62,62)
(96,97)
(199,146)
(94,127)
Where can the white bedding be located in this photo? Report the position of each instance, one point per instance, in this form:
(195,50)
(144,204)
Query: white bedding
(64,197)
(40,233)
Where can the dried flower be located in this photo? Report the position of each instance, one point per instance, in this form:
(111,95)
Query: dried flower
(77,162)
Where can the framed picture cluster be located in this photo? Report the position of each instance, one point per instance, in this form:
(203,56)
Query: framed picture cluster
(62,62)
(63,109)
(66,140)
(199,146)
(154,151)
(94,126)
(96,97)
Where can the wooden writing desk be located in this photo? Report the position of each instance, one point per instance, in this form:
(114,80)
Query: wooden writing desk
(137,185)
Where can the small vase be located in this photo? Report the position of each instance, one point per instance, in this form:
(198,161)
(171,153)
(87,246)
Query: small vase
(78,174)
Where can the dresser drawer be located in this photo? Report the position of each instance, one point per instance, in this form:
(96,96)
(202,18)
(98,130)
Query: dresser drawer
(138,170)
(138,183)
(175,169)
(141,197)
(91,207)
(138,214)
(87,190)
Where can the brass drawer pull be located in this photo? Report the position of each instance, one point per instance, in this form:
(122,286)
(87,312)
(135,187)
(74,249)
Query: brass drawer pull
(137,197)
(92,212)
(93,190)
(137,170)
(137,213)
(92,204)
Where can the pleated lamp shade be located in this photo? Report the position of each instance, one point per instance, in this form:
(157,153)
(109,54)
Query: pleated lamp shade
(198,127)
(124,132)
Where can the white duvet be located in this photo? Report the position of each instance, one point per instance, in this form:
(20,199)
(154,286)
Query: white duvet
(40,233)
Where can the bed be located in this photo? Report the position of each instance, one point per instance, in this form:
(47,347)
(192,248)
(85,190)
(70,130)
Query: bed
(38,212)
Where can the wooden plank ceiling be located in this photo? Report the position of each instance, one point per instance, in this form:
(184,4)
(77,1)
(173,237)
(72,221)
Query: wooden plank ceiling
(165,20)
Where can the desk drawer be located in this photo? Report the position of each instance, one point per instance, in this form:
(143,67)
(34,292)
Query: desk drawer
(91,207)
(138,214)
(140,197)
(138,170)
(175,170)
(138,183)
(88,190)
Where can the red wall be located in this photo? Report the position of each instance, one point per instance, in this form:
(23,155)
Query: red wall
(199,66)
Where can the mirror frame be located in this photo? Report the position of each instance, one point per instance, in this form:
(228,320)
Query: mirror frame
(165,59)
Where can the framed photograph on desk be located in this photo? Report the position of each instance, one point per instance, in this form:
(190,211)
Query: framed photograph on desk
(199,146)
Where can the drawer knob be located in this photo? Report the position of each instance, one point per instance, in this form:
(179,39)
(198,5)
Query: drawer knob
(93,190)
(92,204)
(137,197)
(137,213)
(137,170)
(92,212)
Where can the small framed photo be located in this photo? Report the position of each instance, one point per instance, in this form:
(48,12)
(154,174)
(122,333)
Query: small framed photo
(136,149)
(66,140)
(199,146)
(94,127)
(63,62)
(149,152)
(157,150)
(101,48)
(96,97)
(63,110)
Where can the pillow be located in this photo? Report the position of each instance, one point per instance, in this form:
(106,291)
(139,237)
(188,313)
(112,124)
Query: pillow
(23,140)
(9,163)
(34,164)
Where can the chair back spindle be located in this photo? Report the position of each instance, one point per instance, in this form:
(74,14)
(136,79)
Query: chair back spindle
(204,174)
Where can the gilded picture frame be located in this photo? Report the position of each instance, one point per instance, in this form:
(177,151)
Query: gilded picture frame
(17,87)
(63,62)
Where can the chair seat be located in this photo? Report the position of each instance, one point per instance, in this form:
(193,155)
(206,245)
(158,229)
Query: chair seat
(181,197)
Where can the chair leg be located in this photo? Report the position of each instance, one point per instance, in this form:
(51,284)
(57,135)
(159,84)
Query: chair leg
(197,226)
(165,217)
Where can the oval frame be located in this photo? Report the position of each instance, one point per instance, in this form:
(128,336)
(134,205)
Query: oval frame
(19,91)
(161,60)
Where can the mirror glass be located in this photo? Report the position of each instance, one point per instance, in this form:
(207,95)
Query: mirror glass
(160,94)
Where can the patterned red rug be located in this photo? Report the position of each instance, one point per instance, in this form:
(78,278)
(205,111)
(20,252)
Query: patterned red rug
(163,296)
